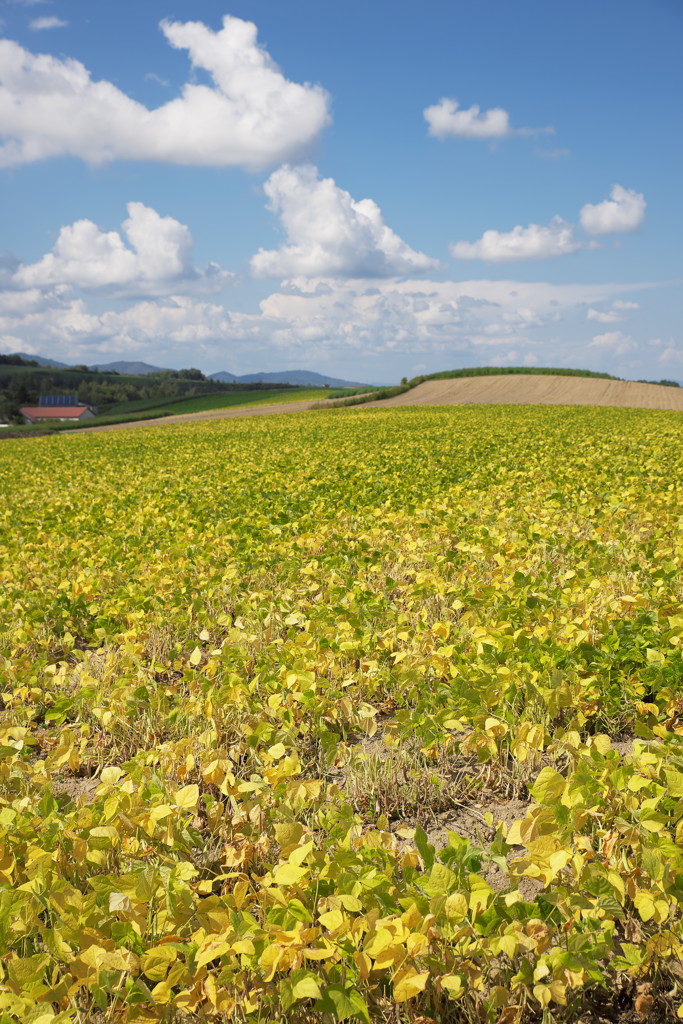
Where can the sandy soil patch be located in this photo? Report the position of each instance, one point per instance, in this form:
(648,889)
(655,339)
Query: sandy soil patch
(523,389)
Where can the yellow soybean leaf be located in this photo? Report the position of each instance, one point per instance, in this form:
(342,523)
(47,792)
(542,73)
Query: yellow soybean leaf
(378,941)
(211,948)
(110,776)
(299,855)
(187,798)
(408,983)
(674,782)
(162,993)
(269,960)
(350,903)
(332,920)
(452,983)
(289,874)
(393,956)
(156,961)
(243,946)
(288,836)
(118,901)
(196,656)
(306,988)
(544,994)
(645,905)
(457,906)
(318,952)
(549,786)
(277,751)
(507,944)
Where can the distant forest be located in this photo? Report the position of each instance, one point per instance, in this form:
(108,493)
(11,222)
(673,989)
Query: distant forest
(23,381)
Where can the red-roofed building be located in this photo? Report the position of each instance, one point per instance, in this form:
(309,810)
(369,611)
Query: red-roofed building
(52,413)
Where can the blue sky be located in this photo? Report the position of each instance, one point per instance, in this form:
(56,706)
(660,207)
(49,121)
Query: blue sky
(368,190)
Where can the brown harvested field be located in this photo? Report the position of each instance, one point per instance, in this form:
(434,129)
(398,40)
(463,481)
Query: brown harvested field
(532,389)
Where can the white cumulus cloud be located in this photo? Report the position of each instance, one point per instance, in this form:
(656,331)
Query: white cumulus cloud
(624,211)
(40,24)
(331,233)
(250,115)
(447,118)
(606,316)
(613,315)
(153,254)
(614,341)
(536,241)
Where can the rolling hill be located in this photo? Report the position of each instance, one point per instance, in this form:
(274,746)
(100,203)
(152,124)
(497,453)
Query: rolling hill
(529,389)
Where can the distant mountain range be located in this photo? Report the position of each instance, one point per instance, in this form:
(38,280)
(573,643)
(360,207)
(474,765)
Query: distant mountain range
(122,366)
(41,360)
(302,378)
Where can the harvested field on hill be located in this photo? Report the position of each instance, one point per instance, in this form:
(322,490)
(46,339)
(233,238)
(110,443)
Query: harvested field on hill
(542,390)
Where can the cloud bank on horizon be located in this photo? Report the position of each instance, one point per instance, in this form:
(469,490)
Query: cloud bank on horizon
(345,281)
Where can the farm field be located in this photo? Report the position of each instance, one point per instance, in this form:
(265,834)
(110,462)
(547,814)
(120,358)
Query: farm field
(226,400)
(530,389)
(346,715)
(140,412)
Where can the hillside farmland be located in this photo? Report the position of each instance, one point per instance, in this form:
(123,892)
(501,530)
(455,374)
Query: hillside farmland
(352,715)
(529,389)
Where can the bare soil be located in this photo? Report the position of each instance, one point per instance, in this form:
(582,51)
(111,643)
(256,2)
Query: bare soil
(529,389)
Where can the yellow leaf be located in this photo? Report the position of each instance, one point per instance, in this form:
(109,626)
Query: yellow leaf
(243,946)
(196,656)
(118,901)
(299,855)
(392,956)
(156,961)
(306,988)
(277,751)
(457,906)
(212,947)
(408,983)
(289,874)
(350,903)
(110,776)
(332,920)
(452,983)
(187,797)
(543,993)
(288,836)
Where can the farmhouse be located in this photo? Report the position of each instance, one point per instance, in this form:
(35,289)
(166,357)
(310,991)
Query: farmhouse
(57,408)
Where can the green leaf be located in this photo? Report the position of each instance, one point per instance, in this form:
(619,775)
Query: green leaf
(674,781)
(439,881)
(549,786)
(343,1003)
(425,848)
(305,985)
